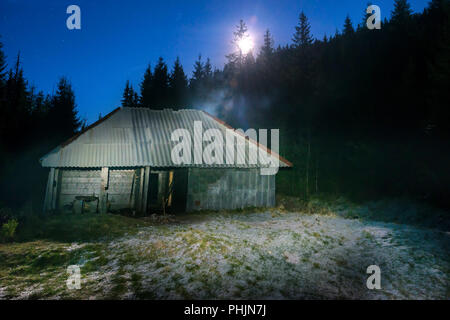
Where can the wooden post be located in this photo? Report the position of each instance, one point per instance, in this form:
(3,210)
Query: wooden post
(146,186)
(132,191)
(103,189)
(169,200)
(48,190)
(160,192)
(55,189)
(140,192)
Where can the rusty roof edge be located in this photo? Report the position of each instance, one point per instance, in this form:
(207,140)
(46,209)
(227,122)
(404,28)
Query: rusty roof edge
(287,162)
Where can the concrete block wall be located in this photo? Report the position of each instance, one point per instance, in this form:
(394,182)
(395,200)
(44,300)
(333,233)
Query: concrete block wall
(121,189)
(77,183)
(217,189)
(80,182)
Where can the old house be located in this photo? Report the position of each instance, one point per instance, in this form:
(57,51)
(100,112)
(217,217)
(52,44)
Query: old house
(123,162)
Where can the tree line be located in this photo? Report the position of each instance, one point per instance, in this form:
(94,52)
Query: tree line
(161,88)
(31,124)
(362,113)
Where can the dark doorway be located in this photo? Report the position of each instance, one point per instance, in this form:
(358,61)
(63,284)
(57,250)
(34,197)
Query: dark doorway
(179,196)
(153,189)
(167,191)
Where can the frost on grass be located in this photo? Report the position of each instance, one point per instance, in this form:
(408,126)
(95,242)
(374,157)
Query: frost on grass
(288,256)
(266,255)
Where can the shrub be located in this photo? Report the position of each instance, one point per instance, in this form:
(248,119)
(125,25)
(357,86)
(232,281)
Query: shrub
(5,215)
(9,229)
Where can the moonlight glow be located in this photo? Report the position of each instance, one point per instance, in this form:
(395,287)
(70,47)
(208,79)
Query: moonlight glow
(245,45)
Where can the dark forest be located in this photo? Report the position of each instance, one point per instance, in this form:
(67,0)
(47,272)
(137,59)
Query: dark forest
(362,113)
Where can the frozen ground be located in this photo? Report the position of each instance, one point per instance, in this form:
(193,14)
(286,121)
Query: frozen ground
(279,255)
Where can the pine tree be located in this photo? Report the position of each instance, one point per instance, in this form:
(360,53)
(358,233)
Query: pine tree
(337,34)
(178,85)
(267,48)
(207,69)
(249,60)
(135,100)
(198,74)
(20,94)
(402,12)
(302,36)
(348,26)
(208,75)
(3,78)
(236,58)
(197,80)
(17,101)
(442,5)
(217,77)
(2,66)
(38,101)
(63,111)
(438,64)
(160,85)
(146,88)
(130,98)
(40,125)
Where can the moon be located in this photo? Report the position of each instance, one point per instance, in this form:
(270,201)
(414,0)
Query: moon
(245,45)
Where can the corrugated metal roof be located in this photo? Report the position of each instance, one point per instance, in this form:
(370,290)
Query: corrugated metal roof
(135,137)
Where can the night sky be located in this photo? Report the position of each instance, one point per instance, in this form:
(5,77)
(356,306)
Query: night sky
(119,38)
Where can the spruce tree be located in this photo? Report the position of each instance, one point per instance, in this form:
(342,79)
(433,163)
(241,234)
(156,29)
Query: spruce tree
(197,74)
(128,96)
(348,26)
(20,98)
(402,12)
(267,48)
(201,83)
(17,98)
(3,78)
(178,84)
(208,76)
(2,66)
(160,85)
(236,58)
(302,36)
(207,69)
(135,100)
(40,125)
(146,88)
(63,111)
(442,5)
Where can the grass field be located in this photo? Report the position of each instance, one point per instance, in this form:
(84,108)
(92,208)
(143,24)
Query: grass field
(280,254)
